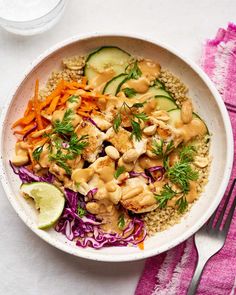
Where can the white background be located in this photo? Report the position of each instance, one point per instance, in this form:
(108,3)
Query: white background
(29,266)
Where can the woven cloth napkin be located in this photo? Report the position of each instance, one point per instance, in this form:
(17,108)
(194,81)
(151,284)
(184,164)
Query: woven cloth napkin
(170,273)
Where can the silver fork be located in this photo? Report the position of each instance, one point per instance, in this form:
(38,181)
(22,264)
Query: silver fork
(210,239)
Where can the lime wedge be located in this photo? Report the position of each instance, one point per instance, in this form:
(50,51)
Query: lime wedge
(48,199)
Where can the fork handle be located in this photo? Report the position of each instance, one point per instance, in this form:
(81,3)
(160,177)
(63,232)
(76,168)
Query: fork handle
(197,276)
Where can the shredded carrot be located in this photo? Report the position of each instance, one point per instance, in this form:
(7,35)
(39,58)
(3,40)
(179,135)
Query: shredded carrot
(83,114)
(38,141)
(56,92)
(71,92)
(64,98)
(141,246)
(75,85)
(84,80)
(37,106)
(29,108)
(93,95)
(25,120)
(53,105)
(25,129)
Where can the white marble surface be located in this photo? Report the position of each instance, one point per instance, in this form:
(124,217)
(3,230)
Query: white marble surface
(28,265)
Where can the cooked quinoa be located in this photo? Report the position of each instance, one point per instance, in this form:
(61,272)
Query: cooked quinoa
(160,219)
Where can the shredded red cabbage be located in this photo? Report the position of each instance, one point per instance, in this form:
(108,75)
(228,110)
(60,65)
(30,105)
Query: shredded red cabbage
(26,175)
(148,173)
(93,122)
(87,229)
(161,169)
(91,193)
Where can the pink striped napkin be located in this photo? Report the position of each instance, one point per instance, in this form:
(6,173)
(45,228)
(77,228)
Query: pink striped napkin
(170,273)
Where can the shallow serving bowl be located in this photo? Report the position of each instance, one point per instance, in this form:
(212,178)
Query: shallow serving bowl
(207,103)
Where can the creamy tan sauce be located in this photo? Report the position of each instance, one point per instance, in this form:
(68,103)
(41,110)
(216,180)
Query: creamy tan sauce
(102,78)
(194,128)
(140,85)
(149,69)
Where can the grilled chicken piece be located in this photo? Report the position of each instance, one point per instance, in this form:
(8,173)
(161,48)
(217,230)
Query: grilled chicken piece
(120,140)
(137,197)
(101,122)
(95,140)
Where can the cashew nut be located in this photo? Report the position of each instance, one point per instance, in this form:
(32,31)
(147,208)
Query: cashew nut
(114,192)
(187,112)
(130,156)
(21,154)
(201,162)
(93,207)
(112,152)
(128,166)
(161,115)
(150,130)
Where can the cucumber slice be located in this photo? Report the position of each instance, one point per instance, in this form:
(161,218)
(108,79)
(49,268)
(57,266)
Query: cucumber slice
(161,92)
(104,58)
(153,90)
(175,119)
(165,103)
(111,86)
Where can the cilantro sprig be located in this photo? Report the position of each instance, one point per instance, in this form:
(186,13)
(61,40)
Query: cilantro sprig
(64,127)
(135,118)
(37,152)
(81,212)
(180,174)
(134,72)
(162,149)
(129,92)
(119,171)
(121,221)
(167,193)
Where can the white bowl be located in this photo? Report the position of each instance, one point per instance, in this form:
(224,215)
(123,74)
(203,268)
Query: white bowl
(207,103)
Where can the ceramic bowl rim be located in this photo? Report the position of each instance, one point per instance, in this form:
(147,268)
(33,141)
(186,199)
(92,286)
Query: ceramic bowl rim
(226,175)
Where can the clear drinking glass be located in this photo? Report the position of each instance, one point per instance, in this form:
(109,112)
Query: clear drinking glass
(30,17)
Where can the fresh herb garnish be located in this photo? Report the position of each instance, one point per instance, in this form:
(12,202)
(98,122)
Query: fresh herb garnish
(134,72)
(73,98)
(138,105)
(60,158)
(166,194)
(64,127)
(37,152)
(76,145)
(135,119)
(162,150)
(181,173)
(119,171)
(121,221)
(117,121)
(187,153)
(81,212)
(129,92)
(136,130)
(182,204)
